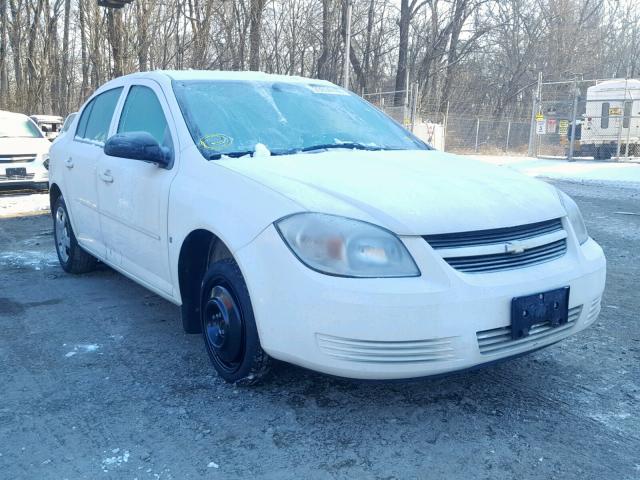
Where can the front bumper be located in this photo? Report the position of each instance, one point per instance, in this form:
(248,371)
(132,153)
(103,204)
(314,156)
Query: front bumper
(440,322)
(37,176)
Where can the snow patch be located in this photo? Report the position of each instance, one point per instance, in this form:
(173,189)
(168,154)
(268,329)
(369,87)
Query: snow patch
(213,465)
(28,259)
(19,205)
(82,348)
(580,171)
(116,460)
(261,150)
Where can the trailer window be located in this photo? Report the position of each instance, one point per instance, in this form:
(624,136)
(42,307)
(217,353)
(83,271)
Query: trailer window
(604,115)
(626,120)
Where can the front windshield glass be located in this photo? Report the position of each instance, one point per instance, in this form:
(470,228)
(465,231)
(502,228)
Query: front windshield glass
(12,127)
(233,117)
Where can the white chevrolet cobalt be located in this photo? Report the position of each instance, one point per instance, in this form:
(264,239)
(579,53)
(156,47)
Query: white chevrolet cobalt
(292,220)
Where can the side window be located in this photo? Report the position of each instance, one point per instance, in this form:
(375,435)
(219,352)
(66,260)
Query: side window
(84,118)
(604,115)
(142,112)
(96,117)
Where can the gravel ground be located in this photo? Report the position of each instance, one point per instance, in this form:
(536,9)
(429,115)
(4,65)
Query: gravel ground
(99,381)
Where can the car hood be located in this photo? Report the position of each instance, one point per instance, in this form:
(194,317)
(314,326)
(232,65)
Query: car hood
(408,192)
(23,146)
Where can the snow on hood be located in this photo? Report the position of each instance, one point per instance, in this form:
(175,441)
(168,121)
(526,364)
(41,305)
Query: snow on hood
(408,192)
(23,146)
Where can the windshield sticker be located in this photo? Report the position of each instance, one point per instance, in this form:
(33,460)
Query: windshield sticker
(215,141)
(327,90)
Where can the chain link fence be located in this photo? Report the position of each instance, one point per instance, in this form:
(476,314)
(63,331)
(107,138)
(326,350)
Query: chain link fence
(459,129)
(572,119)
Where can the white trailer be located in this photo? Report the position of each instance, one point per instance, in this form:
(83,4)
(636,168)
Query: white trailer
(612,117)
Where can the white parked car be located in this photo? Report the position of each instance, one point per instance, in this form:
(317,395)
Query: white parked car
(24,153)
(51,125)
(291,219)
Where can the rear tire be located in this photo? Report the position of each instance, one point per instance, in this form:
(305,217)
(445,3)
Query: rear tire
(72,257)
(228,325)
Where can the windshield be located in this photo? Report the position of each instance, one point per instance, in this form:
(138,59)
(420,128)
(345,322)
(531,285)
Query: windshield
(16,126)
(239,117)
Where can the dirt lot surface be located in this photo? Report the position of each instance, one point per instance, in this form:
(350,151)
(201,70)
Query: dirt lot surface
(99,381)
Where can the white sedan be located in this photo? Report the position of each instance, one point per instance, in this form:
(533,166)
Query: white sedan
(292,220)
(24,153)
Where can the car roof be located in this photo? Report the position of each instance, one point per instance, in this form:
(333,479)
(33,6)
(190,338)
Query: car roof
(185,75)
(620,83)
(46,118)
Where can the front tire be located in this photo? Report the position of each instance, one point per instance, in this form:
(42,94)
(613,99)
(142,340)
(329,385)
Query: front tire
(229,327)
(72,257)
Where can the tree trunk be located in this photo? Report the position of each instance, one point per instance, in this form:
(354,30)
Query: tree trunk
(457,23)
(255,13)
(142,20)
(84,87)
(403,50)
(15,39)
(65,77)
(32,74)
(323,61)
(114,27)
(4,80)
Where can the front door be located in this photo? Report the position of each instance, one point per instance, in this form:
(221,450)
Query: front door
(133,195)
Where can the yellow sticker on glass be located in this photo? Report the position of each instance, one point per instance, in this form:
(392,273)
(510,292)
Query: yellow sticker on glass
(215,141)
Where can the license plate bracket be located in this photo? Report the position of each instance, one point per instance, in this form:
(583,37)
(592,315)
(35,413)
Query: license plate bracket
(16,172)
(550,307)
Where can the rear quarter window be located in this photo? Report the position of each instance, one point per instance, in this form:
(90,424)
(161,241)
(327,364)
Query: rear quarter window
(96,117)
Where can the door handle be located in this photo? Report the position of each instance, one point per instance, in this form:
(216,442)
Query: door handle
(106,177)
(69,163)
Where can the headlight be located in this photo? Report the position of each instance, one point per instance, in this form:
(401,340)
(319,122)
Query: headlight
(45,160)
(346,247)
(574,216)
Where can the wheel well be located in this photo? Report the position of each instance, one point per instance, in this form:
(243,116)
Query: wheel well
(198,249)
(54,194)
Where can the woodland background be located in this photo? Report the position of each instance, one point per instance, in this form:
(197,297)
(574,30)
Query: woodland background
(480,55)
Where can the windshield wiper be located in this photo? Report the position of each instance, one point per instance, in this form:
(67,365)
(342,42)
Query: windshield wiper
(218,156)
(312,148)
(348,145)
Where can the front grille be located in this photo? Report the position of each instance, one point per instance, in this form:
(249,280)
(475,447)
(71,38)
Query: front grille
(507,261)
(488,250)
(18,158)
(28,176)
(388,352)
(498,340)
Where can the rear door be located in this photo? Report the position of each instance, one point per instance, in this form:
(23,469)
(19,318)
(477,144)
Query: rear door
(133,195)
(80,169)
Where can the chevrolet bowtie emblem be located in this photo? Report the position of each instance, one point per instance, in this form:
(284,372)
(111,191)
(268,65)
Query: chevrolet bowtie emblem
(514,247)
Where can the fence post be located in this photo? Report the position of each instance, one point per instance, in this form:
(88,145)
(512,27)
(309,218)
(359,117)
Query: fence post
(621,120)
(414,105)
(574,119)
(506,148)
(536,99)
(477,132)
(626,148)
(446,124)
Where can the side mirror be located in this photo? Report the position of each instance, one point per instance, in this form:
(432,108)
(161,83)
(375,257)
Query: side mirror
(138,146)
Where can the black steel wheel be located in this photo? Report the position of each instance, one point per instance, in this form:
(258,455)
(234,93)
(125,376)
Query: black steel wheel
(228,325)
